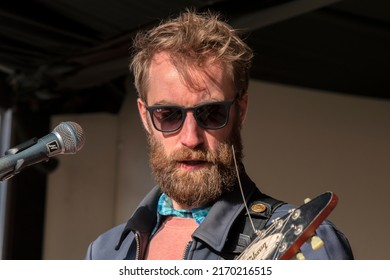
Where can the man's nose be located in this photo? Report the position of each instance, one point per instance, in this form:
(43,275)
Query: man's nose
(191,134)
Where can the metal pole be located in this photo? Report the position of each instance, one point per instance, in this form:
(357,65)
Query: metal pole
(5,142)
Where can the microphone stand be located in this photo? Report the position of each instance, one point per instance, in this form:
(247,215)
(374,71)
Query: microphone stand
(6,171)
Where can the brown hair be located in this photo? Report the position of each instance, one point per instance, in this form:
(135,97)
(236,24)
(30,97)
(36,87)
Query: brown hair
(192,40)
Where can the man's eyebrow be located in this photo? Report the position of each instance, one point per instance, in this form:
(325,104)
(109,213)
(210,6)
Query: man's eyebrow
(164,102)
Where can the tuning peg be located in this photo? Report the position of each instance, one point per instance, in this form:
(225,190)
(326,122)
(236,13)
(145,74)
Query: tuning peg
(316,242)
(299,256)
(307,200)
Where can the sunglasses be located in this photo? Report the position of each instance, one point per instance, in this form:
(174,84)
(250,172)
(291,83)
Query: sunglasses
(212,115)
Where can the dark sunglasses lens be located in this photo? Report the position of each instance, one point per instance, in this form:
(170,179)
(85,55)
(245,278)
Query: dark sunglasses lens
(212,116)
(167,118)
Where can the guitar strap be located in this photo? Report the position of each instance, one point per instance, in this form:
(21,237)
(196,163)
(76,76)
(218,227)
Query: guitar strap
(241,235)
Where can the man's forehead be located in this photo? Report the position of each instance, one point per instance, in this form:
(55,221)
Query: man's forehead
(201,80)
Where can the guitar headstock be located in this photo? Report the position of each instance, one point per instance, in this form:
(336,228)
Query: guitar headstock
(283,238)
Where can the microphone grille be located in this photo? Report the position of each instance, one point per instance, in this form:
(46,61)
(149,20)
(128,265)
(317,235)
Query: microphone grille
(72,135)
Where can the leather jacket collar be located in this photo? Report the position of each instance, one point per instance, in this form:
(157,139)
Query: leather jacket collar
(213,230)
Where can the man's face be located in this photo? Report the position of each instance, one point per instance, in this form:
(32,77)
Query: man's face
(193,165)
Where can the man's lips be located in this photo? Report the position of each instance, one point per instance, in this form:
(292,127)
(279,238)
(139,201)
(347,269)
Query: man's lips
(192,164)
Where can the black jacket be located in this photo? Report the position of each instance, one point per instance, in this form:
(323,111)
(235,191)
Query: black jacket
(219,236)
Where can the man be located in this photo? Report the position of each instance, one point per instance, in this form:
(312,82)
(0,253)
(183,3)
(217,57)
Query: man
(192,76)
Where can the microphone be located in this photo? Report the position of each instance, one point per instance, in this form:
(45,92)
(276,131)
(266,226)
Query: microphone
(66,138)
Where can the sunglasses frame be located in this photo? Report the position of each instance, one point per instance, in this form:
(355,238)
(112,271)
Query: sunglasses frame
(227,105)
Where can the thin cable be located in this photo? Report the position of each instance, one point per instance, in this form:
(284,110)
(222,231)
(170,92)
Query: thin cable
(242,191)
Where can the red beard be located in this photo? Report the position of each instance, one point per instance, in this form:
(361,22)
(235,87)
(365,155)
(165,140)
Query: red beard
(214,175)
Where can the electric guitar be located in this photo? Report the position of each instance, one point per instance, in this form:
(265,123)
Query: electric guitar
(283,238)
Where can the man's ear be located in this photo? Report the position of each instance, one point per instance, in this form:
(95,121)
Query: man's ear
(243,105)
(143,114)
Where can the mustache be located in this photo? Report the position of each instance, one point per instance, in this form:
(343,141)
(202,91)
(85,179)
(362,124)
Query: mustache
(200,154)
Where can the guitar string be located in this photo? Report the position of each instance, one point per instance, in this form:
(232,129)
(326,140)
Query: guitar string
(261,234)
(272,228)
(285,222)
(242,191)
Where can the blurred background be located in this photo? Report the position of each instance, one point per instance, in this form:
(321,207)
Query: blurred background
(319,113)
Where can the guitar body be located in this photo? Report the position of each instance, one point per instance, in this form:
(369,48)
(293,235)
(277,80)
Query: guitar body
(283,238)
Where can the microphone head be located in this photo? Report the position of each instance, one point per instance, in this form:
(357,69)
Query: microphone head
(72,136)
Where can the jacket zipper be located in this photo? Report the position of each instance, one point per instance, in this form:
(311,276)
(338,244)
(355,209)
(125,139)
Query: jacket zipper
(137,241)
(187,250)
